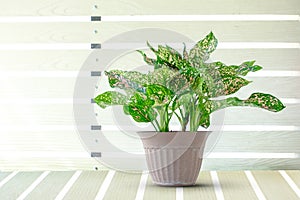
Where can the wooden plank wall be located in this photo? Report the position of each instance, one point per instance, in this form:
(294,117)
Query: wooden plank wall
(37,85)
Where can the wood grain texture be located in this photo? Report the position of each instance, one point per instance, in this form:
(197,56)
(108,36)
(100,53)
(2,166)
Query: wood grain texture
(126,185)
(48,33)
(279,190)
(43,163)
(251,164)
(295,176)
(143,7)
(239,141)
(246,115)
(44,60)
(72,60)
(154,192)
(63,164)
(3,175)
(203,189)
(54,182)
(240,188)
(13,188)
(51,141)
(233,184)
(78,32)
(47,7)
(224,31)
(87,185)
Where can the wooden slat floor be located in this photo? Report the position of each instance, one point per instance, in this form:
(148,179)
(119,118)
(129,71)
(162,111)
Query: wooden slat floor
(114,185)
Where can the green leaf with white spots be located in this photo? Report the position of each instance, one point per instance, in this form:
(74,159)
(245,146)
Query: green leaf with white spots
(140,108)
(234,70)
(162,76)
(150,61)
(204,119)
(202,50)
(265,101)
(168,56)
(246,67)
(224,86)
(260,100)
(110,98)
(127,79)
(159,94)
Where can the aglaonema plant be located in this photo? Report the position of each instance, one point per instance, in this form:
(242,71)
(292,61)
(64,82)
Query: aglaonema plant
(184,86)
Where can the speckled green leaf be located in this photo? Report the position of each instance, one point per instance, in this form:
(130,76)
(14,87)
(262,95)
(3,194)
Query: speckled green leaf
(150,61)
(265,101)
(202,50)
(261,100)
(246,67)
(179,84)
(162,76)
(127,79)
(234,70)
(204,119)
(224,86)
(160,94)
(168,56)
(110,98)
(140,108)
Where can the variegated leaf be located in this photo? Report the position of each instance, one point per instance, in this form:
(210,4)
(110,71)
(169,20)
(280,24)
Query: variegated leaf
(148,60)
(162,76)
(160,94)
(261,100)
(265,101)
(235,70)
(110,98)
(224,86)
(202,50)
(168,56)
(204,119)
(140,108)
(127,79)
(179,84)
(246,67)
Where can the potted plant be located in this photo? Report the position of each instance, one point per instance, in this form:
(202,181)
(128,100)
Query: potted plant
(186,87)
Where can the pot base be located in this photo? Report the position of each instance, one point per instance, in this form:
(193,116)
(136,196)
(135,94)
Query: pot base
(175,184)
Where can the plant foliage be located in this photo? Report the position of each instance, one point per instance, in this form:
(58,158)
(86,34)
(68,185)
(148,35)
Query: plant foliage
(183,85)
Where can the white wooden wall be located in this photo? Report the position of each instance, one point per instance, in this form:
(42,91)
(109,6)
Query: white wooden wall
(37,82)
